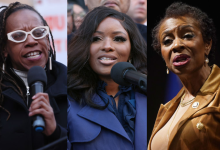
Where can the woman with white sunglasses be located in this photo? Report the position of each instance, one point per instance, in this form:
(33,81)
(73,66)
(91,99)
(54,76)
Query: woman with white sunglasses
(24,43)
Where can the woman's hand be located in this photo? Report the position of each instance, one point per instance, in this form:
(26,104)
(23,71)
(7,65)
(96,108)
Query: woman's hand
(41,106)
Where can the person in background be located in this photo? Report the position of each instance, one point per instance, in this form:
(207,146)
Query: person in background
(186,39)
(25,41)
(79,13)
(119,5)
(103,115)
(70,19)
(138,11)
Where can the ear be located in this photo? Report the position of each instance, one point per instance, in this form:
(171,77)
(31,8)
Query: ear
(208,47)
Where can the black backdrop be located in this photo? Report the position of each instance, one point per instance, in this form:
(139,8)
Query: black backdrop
(157,76)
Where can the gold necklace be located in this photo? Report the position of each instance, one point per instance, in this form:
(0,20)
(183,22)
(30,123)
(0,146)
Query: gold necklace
(182,104)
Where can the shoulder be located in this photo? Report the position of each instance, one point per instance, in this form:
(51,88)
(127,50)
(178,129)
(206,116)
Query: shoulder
(57,80)
(59,66)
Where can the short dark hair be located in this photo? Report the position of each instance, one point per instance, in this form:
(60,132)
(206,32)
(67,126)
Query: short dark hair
(82,80)
(178,9)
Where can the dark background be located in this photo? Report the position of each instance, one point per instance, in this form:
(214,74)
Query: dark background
(157,77)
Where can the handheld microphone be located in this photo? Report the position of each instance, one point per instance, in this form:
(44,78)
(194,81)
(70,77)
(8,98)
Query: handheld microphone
(37,80)
(125,73)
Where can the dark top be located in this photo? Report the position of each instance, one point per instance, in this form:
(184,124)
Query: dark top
(17,132)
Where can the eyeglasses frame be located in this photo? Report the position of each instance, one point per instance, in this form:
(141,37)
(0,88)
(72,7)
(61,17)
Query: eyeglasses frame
(26,33)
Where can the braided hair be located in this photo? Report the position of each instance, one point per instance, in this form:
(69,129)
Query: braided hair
(6,11)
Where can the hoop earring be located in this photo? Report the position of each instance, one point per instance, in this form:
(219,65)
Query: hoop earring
(168,71)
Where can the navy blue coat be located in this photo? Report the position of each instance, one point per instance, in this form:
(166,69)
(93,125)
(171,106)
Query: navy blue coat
(94,129)
(17,132)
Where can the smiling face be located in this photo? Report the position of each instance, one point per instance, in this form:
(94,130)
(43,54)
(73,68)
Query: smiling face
(119,5)
(111,44)
(31,52)
(182,45)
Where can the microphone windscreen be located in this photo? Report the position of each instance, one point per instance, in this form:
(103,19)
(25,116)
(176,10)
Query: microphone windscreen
(36,73)
(118,70)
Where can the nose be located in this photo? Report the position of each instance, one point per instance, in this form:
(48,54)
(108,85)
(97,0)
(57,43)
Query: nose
(177,45)
(108,45)
(142,1)
(30,41)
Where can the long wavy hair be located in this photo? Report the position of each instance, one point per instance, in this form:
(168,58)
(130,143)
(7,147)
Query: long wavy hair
(6,11)
(82,80)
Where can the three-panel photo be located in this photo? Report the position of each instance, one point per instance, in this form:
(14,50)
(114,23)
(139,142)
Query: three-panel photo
(109,75)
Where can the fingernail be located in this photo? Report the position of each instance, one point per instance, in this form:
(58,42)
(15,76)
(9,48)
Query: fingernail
(33,97)
(30,113)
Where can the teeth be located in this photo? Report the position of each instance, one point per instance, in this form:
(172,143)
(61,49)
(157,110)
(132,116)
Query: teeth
(181,59)
(33,54)
(105,58)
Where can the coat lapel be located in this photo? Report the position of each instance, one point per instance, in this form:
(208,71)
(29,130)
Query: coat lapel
(141,122)
(205,95)
(203,102)
(165,114)
(104,118)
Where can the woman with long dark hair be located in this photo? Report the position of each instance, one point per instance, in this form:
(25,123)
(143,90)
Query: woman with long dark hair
(101,113)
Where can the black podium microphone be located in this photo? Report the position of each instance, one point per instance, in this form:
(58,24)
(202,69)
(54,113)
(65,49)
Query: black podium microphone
(37,80)
(124,73)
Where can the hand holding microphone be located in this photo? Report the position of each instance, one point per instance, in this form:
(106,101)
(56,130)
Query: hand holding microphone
(43,115)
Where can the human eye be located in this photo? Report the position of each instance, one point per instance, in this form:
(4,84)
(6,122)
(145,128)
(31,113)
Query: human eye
(39,32)
(120,39)
(18,35)
(167,41)
(188,36)
(96,39)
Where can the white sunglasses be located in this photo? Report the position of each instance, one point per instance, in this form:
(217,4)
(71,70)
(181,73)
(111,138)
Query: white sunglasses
(20,35)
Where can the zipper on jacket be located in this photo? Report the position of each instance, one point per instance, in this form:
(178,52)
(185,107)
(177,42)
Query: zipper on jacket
(27,94)
(27,88)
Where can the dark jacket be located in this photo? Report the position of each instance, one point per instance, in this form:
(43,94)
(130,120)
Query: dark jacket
(143,30)
(93,129)
(17,132)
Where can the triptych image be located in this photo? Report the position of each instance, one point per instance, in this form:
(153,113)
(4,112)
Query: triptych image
(109,75)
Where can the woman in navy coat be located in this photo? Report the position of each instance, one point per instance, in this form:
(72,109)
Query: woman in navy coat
(101,113)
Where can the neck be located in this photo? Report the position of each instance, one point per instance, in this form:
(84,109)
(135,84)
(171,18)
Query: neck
(111,87)
(192,82)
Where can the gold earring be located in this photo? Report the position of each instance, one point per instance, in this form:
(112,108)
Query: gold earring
(168,71)
(207,60)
